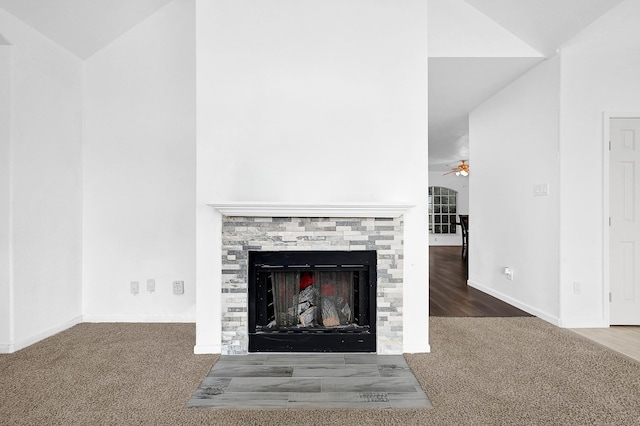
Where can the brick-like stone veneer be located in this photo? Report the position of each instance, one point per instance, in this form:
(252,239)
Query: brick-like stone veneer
(241,234)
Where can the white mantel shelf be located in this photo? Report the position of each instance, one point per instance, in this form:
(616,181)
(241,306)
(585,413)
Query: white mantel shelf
(279,209)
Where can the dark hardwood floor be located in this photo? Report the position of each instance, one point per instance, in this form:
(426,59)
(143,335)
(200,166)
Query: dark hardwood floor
(449,295)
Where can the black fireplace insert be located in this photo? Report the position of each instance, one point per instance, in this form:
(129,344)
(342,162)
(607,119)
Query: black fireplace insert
(312,301)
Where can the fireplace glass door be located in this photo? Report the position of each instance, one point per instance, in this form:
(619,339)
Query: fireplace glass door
(313,299)
(297,301)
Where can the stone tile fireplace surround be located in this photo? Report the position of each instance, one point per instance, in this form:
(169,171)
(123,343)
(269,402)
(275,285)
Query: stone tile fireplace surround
(274,226)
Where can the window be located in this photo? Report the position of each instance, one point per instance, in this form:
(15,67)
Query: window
(442,210)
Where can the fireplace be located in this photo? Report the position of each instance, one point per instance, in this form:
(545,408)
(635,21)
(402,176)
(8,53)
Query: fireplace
(269,227)
(312,301)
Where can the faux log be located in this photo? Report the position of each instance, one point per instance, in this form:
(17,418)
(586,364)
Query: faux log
(308,317)
(329,313)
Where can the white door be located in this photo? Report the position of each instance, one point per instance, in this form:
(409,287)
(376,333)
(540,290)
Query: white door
(624,232)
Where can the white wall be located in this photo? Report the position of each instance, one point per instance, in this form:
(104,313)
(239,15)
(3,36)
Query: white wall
(312,101)
(46,137)
(514,145)
(599,74)
(6,297)
(139,171)
(457,183)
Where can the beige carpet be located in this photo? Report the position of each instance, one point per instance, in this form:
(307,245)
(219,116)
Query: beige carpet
(482,371)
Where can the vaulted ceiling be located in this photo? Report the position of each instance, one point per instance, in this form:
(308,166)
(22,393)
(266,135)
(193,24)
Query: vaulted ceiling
(82,26)
(476,47)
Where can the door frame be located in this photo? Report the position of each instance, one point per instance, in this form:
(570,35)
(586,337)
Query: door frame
(606,208)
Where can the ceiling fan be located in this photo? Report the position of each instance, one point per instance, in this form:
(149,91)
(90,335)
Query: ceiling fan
(461,170)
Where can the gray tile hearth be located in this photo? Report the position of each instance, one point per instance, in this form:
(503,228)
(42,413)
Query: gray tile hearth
(336,381)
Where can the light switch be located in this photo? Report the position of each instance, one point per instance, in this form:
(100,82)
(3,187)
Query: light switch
(178,287)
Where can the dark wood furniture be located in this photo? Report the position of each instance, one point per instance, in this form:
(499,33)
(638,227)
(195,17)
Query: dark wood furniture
(464,225)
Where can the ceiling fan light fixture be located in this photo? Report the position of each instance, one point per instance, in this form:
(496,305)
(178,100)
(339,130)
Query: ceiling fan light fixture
(461,170)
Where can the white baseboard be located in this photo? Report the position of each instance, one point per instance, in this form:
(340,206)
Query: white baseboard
(416,349)
(207,349)
(140,318)
(583,323)
(8,348)
(11,347)
(518,304)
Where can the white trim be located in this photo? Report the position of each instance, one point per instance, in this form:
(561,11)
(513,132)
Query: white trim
(416,349)
(11,241)
(140,318)
(207,349)
(510,300)
(16,346)
(606,211)
(279,209)
(583,323)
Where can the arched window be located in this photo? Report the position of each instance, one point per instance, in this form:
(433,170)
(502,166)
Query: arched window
(442,210)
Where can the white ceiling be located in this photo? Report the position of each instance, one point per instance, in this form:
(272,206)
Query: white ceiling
(456,85)
(82,26)
(544,24)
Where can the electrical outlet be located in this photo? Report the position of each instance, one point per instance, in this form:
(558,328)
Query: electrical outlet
(151,285)
(509,273)
(577,287)
(135,287)
(541,189)
(178,287)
